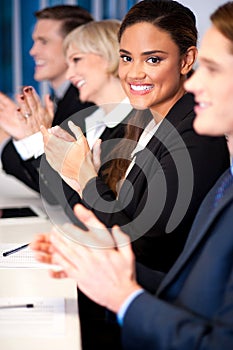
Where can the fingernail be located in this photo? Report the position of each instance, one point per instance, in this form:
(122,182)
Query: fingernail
(28,89)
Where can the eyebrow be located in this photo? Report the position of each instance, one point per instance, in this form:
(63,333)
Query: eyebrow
(146,53)
(39,38)
(208,61)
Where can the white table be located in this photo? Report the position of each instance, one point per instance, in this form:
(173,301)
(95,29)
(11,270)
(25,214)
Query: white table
(33,282)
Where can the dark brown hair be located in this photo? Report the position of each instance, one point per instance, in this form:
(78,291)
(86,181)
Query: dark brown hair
(169,16)
(120,157)
(71,16)
(175,19)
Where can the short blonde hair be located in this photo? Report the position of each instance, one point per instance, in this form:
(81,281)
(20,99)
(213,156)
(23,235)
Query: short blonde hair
(98,37)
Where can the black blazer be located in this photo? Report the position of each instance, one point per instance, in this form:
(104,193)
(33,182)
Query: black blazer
(55,190)
(96,331)
(27,171)
(193,307)
(157,205)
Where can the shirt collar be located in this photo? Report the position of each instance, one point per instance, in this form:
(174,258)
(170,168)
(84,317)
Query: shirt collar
(146,136)
(61,90)
(111,119)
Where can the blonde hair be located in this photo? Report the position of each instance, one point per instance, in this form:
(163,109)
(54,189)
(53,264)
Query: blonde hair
(98,37)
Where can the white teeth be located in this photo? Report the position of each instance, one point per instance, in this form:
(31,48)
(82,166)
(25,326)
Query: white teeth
(39,62)
(80,83)
(141,87)
(202,104)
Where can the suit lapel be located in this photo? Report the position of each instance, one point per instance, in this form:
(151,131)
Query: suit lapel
(204,219)
(110,133)
(70,105)
(177,113)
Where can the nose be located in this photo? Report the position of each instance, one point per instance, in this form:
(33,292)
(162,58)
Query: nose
(70,72)
(32,51)
(136,71)
(193,84)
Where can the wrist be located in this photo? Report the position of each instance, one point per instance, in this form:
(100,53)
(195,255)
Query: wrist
(124,307)
(122,296)
(86,173)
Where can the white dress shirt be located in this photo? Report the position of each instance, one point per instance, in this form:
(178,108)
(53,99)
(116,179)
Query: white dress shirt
(144,139)
(97,122)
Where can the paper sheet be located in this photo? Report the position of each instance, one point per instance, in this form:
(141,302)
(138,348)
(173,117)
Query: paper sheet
(22,258)
(45,319)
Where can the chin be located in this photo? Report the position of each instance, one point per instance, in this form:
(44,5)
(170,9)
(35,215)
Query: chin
(83,99)
(38,77)
(138,107)
(203,128)
(205,131)
(230,148)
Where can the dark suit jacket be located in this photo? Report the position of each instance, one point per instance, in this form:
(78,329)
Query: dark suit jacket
(157,205)
(96,331)
(55,190)
(193,308)
(27,171)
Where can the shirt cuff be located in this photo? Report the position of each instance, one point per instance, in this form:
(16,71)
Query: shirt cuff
(125,305)
(31,146)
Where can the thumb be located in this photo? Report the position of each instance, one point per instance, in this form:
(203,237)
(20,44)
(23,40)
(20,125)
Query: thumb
(96,151)
(121,239)
(75,130)
(49,105)
(46,135)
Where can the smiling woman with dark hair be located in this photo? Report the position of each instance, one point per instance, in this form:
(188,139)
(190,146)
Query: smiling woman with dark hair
(154,190)
(193,306)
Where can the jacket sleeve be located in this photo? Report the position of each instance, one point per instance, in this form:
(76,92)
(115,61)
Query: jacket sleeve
(151,323)
(147,278)
(29,171)
(24,171)
(157,205)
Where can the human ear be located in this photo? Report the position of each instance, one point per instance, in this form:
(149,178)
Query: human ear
(188,60)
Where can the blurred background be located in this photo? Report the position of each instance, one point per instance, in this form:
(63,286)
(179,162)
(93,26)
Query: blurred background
(16,26)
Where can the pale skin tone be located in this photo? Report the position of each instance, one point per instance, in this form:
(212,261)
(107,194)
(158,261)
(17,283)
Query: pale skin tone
(10,125)
(47,52)
(212,86)
(28,102)
(152,74)
(89,73)
(50,64)
(116,268)
(3,135)
(66,149)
